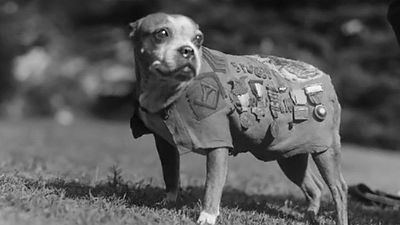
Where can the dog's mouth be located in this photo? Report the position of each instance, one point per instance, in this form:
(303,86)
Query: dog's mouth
(182,73)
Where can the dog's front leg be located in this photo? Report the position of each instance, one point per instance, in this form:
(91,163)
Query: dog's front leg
(169,157)
(217,168)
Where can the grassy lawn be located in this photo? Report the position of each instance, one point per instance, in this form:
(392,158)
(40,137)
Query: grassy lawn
(93,172)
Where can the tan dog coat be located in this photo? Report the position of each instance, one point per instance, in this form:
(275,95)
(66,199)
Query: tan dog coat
(271,106)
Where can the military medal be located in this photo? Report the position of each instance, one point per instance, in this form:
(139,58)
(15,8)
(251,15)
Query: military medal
(314,93)
(240,93)
(286,105)
(257,88)
(282,89)
(244,102)
(298,97)
(247,120)
(258,112)
(300,113)
(274,128)
(274,103)
(239,86)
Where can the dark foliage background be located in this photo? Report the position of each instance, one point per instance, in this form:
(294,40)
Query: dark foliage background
(66,57)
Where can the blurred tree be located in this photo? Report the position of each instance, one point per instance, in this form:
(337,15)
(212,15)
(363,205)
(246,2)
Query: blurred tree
(90,53)
(394,17)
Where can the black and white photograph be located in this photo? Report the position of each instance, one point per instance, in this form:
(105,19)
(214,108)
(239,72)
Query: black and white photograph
(199,112)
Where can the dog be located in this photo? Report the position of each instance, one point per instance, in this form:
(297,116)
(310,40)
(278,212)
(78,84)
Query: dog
(192,98)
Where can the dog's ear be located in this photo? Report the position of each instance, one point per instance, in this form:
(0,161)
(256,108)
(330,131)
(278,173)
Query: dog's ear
(134,26)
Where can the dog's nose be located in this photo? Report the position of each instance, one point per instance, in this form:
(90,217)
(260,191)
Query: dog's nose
(186,51)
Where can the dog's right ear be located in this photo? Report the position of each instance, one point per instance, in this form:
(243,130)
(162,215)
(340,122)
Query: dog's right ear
(134,26)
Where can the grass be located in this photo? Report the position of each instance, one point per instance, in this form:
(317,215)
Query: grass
(93,172)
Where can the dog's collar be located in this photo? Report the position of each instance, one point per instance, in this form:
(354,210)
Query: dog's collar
(163,113)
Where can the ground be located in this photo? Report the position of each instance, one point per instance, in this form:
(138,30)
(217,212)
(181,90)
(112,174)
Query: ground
(93,172)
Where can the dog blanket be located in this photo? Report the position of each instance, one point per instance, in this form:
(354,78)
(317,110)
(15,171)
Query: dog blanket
(276,106)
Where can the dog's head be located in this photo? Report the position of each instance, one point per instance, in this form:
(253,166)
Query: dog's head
(167,53)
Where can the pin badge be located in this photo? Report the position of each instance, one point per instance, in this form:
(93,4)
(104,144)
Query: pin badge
(282,89)
(247,119)
(314,93)
(300,113)
(258,112)
(244,101)
(320,112)
(298,97)
(274,128)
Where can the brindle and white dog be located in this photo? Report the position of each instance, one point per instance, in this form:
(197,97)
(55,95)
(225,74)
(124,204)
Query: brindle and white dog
(192,97)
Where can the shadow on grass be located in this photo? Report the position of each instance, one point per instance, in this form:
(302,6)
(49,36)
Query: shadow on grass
(141,194)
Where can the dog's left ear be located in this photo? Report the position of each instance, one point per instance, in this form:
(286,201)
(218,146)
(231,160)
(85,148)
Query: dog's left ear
(134,26)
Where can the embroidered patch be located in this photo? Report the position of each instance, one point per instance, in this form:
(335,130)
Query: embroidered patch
(294,70)
(259,71)
(236,66)
(205,95)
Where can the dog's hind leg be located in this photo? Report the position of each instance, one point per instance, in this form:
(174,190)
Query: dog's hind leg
(296,168)
(169,157)
(328,163)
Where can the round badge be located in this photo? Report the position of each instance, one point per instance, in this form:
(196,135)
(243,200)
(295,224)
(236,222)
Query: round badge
(320,112)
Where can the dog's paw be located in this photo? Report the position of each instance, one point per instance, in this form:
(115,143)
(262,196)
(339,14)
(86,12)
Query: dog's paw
(312,218)
(168,201)
(206,218)
(171,197)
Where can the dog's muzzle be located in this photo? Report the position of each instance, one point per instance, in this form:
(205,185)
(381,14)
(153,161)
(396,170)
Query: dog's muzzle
(184,72)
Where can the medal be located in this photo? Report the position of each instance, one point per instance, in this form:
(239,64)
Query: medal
(247,119)
(320,112)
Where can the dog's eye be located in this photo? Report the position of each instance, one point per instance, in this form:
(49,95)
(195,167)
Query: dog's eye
(161,35)
(198,40)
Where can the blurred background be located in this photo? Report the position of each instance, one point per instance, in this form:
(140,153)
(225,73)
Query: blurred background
(68,59)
